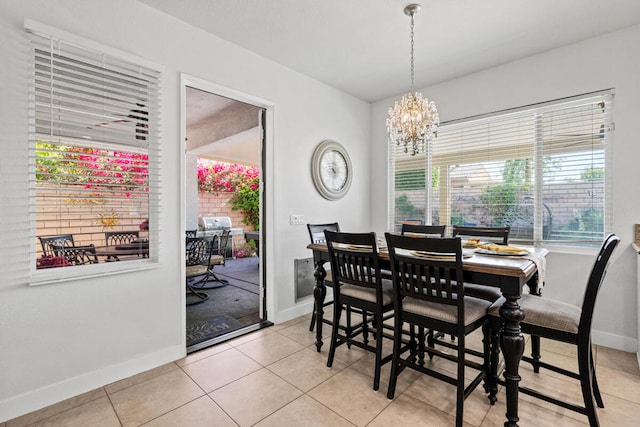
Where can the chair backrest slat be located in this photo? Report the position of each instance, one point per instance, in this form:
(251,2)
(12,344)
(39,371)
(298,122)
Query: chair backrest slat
(354,259)
(427,269)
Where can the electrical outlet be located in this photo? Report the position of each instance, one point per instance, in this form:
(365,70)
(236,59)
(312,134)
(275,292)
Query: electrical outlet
(296,219)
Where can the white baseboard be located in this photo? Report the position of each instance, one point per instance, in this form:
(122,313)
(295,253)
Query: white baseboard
(300,309)
(617,342)
(30,401)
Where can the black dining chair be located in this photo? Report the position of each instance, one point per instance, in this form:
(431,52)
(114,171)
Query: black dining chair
(357,283)
(316,235)
(498,235)
(420,230)
(559,321)
(427,295)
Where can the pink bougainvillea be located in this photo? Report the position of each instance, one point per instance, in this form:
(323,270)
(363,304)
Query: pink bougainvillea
(243,181)
(93,168)
(220,177)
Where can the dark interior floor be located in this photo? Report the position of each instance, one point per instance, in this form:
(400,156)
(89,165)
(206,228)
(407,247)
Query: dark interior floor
(230,307)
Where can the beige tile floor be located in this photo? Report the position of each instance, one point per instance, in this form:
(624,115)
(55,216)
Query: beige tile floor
(274,377)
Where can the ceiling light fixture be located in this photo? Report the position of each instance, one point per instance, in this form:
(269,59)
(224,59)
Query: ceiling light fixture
(414,119)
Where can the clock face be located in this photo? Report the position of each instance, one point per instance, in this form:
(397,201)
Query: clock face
(331,170)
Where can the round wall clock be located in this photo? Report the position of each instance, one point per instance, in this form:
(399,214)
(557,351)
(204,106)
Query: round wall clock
(331,170)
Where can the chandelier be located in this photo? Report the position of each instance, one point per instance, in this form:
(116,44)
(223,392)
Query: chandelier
(414,119)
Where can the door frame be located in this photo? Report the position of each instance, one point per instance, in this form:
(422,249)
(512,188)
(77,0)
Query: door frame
(266,184)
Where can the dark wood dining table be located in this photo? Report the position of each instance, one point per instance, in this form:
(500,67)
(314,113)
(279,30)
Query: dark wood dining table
(508,273)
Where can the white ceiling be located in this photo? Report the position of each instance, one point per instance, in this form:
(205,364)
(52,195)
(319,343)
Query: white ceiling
(362,46)
(220,128)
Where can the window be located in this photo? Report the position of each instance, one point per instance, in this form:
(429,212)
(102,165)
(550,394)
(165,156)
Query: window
(542,170)
(94,149)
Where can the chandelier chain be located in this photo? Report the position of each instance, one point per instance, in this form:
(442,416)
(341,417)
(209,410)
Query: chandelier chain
(412,74)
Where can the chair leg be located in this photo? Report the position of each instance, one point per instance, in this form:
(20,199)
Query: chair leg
(365,328)
(210,277)
(460,385)
(337,309)
(420,345)
(594,384)
(535,353)
(585,372)
(349,325)
(395,358)
(378,332)
(486,351)
(202,297)
(431,343)
(495,325)
(313,319)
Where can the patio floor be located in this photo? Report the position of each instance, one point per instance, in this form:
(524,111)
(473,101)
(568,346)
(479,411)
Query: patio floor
(228,308)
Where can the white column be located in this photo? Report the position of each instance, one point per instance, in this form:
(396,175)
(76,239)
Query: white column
(191,181)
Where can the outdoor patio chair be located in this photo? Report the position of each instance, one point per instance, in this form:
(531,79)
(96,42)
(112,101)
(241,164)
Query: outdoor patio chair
(80,255)
(198,252)
(51,245)
(217,258)
(115,238)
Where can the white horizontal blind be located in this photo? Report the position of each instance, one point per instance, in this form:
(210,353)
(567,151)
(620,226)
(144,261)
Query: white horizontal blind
(543,170)
(409,187)
(94,146)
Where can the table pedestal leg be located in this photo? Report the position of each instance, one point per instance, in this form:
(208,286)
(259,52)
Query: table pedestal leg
(512,344)
(319,293)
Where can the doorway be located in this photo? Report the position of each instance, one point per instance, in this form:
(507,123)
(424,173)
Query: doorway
(224,179)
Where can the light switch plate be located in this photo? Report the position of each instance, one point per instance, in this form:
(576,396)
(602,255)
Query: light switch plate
(296,219)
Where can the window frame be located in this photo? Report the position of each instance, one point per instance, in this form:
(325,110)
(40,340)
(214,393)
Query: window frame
(536,146)
(153,151)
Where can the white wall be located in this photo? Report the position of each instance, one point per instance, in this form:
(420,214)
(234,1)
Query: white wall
(610,61)
(60,340)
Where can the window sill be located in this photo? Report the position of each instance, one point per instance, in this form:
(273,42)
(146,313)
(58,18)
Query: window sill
(572,250)
(49,276)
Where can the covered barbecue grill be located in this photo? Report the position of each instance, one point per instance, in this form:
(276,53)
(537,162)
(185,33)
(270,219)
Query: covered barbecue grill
(214,225)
